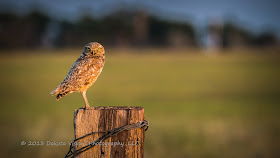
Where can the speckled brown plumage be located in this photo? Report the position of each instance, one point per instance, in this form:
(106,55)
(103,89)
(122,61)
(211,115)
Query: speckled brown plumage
(83,72)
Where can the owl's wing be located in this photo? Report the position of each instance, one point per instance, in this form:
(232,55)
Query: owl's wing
(82,74)
(71,82)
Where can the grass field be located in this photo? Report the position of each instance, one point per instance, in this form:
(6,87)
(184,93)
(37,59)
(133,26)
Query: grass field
(224,105)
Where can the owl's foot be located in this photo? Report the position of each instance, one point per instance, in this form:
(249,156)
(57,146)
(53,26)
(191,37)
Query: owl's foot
(86,107)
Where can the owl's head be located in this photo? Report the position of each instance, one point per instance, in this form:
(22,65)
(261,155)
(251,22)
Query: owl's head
(94,49)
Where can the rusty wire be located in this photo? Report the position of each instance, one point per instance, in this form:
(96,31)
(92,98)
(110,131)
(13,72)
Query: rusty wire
(109,133)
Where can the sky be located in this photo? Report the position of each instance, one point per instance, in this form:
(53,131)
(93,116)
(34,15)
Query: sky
(255,15)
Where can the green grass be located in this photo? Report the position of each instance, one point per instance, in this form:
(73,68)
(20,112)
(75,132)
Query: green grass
(224,105)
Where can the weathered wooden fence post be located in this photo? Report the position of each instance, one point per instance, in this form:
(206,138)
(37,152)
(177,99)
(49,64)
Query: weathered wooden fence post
(128,143)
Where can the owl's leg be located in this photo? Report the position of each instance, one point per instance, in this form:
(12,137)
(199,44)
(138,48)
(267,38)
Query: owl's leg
(85,98)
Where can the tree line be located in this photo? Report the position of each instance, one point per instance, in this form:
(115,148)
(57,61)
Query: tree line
(121,28)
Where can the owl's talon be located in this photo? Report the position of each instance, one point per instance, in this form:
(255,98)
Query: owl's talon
(85,107)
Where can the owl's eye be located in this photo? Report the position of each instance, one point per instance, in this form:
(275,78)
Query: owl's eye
(88,48)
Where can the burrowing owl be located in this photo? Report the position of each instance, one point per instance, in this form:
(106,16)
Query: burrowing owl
(83,72)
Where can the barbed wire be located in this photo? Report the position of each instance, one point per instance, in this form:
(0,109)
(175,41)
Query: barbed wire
(109,133)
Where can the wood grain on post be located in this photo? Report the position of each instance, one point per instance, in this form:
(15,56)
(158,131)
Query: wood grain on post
(124,144)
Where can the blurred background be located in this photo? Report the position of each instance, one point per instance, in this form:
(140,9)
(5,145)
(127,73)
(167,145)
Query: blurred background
(206,72)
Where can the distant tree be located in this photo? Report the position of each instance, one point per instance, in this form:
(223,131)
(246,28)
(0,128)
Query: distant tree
(34,25)
(9,31)
(266,39)
(234,36)
(22,31)
(159,31)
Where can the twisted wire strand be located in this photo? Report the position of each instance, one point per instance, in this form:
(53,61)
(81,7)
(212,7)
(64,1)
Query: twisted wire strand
(109,133)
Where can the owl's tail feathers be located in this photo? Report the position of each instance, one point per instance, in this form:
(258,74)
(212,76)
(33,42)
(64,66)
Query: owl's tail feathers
(56,92)
(59,93)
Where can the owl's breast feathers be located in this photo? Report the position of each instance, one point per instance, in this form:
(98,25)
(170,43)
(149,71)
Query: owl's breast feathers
(81,76)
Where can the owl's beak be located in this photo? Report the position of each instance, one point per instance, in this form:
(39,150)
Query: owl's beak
(93,52)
